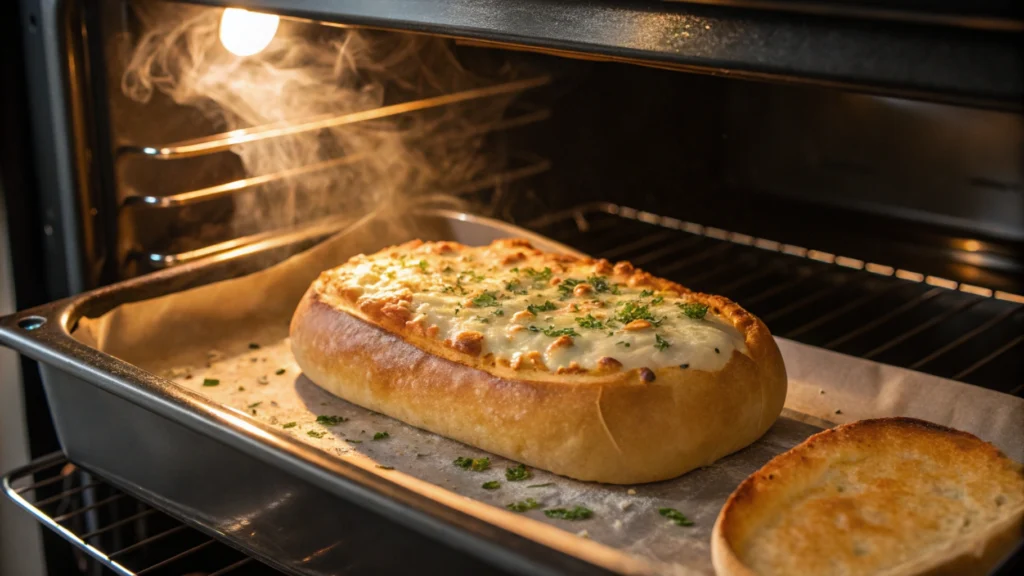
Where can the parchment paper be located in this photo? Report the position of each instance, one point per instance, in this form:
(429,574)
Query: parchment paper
(235,332)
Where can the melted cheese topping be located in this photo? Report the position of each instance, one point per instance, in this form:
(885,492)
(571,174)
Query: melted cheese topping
(520,306)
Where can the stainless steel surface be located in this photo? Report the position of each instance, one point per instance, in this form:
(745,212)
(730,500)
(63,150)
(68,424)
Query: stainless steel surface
(868,309)
(133,427)
(121,533)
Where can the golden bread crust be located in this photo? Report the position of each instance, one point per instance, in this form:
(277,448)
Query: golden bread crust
(894,496)
(617,426)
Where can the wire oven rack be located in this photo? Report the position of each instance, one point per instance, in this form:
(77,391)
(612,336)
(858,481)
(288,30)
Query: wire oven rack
(934,325)
(117,533)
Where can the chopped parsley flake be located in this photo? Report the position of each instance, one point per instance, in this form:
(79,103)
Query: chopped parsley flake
(536,309)
(565,287)
(385,467)
(694,310)
(254,404)
(517,473)
(354,441)
(328,420)
(498,312)
(523,505)
(675,516)
(492,485)
(574,513)
(289,425)
(589,321)
(555,333)
(315,433)
(511,285)
(631,311)
(381,435)
(538,276)
(657,300)
(600,284)
(474,464)
(210,382)
(486,299)
(623,342)
(646,293)
(545,485)
(660,343)
(423,265)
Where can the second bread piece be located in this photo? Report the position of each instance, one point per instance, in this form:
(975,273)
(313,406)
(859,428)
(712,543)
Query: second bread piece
(893,496)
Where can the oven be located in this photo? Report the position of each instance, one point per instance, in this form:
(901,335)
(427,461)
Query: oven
(850,171)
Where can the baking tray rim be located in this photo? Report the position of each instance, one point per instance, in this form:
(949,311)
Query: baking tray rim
(45,334)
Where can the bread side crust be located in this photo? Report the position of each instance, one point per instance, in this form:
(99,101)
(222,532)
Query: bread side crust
(772,491)
(621,428)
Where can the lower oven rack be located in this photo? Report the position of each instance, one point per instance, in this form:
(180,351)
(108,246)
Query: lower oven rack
(870,310)
(114,532)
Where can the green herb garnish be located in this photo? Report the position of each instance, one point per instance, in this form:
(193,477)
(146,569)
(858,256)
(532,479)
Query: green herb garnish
(210,382)
(589,321)
(554,333)
(600,284)
(327,420)
(536,309)
(511,285)
(623,342)
(423,265)
(545,485)
(498,312)
(474,464)
(315,433)
(289,425)
(486,299)
(523,506)
(354,441)
(657,300)
(381,435)
(254,404)
(660,343)
(646,293)
(517,473)
(574,513)
(538,276)
(492,485)
(694,310)
(631,311)
(675,516)
(385,467)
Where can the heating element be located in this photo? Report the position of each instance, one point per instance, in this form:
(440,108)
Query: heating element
(864,309)
(114,531)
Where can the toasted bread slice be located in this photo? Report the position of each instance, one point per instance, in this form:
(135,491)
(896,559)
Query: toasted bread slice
(893,496)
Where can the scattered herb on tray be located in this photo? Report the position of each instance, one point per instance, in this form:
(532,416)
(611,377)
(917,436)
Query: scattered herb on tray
(381,435)
(492,485)
(354,441)
(474,464)
(315,433)
(694,310)
(517,473)
(523,505)
(675,516)
(544,485)
(574,513)
(329,420)
(289,425)
(211,382)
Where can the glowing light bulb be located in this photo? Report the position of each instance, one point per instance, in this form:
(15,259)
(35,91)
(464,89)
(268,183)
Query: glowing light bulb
(245,33)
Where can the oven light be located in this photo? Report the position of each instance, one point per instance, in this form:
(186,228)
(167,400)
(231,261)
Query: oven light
(245,33)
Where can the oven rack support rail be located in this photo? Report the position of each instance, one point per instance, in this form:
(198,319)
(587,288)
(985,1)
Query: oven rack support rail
(116,530)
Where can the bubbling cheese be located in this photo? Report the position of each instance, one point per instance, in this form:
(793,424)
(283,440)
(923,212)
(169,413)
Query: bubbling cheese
(519,303)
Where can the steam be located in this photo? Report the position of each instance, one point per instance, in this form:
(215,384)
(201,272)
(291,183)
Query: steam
(311,70)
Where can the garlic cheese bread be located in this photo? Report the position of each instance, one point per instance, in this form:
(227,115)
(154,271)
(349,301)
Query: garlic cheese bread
(589,369)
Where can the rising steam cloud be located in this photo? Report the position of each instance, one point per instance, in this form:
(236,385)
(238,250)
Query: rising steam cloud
(311,70)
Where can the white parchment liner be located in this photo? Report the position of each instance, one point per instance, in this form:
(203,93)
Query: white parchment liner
(206,332)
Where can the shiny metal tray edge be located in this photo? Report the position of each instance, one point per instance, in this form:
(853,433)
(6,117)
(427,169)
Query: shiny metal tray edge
(135,427)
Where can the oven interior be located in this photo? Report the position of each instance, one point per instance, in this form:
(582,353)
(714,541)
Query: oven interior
(875,225)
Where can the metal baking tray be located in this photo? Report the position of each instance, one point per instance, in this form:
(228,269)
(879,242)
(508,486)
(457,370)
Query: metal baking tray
(288,504)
